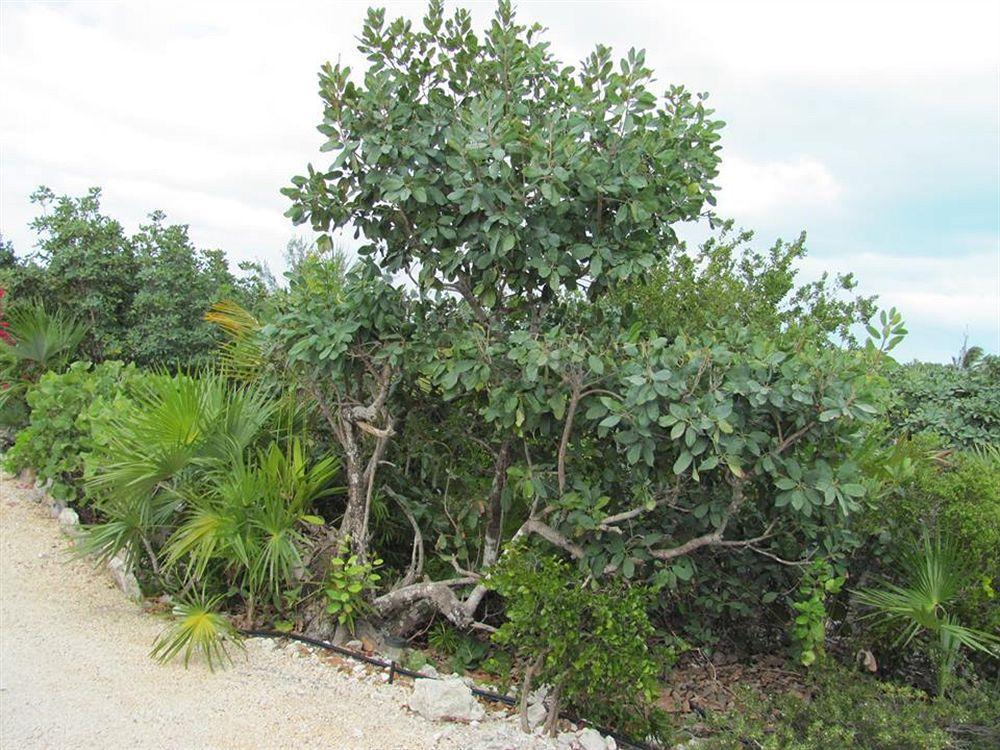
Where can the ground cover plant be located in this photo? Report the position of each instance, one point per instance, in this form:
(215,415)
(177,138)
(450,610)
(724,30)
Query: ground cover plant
(529,428)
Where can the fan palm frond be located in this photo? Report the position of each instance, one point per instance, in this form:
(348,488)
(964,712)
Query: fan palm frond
(43,339)
(241,356)
(197,629)
(935,577)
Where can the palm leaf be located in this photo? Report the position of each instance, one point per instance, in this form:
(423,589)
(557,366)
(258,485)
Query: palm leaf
(197,629)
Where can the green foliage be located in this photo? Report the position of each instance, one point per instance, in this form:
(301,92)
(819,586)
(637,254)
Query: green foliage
(589,642)
(176,286)
(197,629)
(191,468)
(959,404)
(850,710)
(932,580)
(487,164)
(34,341)
(142,297)
(727,282)
(43,340)
(349,582)
(919,486)
(463,651)
(86,266)
(58,435)
(809,626)
(151,448)
(536,208)
(242,519)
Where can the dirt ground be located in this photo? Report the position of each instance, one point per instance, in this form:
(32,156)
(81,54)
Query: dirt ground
(75,671)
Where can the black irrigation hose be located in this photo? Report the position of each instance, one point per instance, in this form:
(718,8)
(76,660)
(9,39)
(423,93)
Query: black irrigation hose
(395,669)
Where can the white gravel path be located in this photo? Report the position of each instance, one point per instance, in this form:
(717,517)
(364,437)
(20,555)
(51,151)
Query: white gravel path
(75,671)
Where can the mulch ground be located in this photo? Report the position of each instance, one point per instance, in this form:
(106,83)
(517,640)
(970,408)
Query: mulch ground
(699,684)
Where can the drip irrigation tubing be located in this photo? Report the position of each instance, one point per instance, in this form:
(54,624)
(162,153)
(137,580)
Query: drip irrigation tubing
(396,669)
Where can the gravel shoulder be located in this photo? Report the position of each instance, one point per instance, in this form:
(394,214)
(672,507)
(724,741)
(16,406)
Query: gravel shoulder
(75,671)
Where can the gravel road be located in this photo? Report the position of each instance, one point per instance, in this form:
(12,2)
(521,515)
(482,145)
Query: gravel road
(75,671)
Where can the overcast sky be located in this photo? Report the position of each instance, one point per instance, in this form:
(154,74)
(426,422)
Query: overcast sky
(874,126)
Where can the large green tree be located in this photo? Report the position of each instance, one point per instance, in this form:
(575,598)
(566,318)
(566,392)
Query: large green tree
(524,198)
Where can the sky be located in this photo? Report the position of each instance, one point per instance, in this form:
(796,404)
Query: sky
(874,126)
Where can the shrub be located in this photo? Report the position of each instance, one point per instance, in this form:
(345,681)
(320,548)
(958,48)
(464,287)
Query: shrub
(143,297)
(961,404)
(956,495)
(196,489)
(809,626)
(589,642)
(197,629)
(63,407)
(35,341)
(849,710)
(347,584)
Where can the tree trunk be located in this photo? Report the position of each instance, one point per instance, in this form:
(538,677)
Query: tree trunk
(354,522)
(494,506)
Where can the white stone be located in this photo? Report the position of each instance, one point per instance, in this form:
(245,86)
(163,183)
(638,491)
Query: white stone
(428,670)
(591,739)
(124,579)
(69,521)
(539,694)
(445,700)
(536,715)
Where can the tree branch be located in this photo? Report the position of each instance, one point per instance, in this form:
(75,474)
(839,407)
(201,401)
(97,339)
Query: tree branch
(574,400)
(554,537)
(713,538)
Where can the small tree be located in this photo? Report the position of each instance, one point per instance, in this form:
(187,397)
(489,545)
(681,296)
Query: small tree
(342,338)
(587,642)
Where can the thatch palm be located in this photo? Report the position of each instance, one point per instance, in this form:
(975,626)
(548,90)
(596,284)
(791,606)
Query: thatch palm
(179,424)
(934,577)
(38,341)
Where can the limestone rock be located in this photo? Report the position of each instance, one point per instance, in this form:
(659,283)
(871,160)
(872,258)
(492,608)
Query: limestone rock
(69,522)
(536,715)
(428,670)
(591,739)
(445,700)
(124,578)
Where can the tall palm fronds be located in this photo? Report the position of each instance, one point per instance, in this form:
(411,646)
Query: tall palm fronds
(177,425)
(934,578)
(246,516)
(241,356)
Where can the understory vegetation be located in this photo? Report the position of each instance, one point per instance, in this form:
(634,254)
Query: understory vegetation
(527,429)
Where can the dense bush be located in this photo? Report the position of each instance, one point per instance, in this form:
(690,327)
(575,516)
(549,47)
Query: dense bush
(851,710)
(558,373)
(961,404)
(918,487)
(143,298)
(200,484)
(588,642)
(64,407)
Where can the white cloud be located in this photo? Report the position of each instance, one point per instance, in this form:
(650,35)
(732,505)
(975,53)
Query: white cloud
(205,110)
(954,290)
(751,191)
